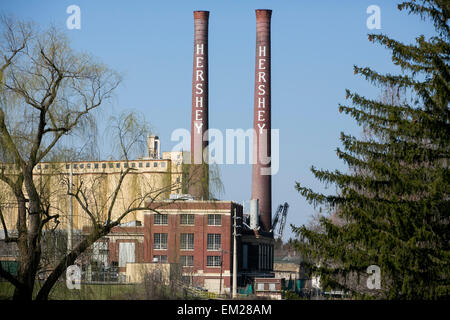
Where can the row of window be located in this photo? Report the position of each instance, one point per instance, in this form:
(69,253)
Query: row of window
(188,261)
(109,164)
(214,241)
(187,219)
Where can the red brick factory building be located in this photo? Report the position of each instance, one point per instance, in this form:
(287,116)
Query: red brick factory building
(198,235)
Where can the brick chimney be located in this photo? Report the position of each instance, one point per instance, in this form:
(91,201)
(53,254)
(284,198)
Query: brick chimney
(199,173)
(261,176)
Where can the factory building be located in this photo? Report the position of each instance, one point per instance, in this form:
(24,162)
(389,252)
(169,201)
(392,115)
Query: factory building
(186,230)
(198,235)
(155,176)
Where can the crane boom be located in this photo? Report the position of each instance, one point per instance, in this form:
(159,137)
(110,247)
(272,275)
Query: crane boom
(277,217)
(283,219)
(280,217)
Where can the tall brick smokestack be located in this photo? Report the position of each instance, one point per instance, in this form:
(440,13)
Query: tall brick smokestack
(261,171)
(199,173)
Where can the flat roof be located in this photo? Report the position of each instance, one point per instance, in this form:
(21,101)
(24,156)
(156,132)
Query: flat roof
(193,204)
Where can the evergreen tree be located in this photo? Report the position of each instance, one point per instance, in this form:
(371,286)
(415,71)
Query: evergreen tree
(392,207)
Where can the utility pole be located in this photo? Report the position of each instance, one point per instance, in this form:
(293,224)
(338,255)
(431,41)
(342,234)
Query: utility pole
(221,268)
(235,264)
(70,222)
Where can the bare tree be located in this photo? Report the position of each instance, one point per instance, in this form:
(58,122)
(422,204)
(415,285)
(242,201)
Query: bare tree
(49,91)
(49,97)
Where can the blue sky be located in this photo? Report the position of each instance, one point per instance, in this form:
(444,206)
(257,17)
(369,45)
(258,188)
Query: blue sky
(314,47)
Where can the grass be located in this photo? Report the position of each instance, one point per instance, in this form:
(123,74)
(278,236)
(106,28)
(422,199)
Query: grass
(87,291)
(140,291)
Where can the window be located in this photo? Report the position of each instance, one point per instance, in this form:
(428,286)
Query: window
(213,261)
(67,166)
(160,218)
(88,165)
(260,287)
(160,258)
(125,165)
(155,164)
(214,241)
(133,165)
(147,164)
(140,164)
(75,166)
(187,261)
(81,166)
(96,166)
(187,241)
(39,166)
(186,219)
(104,165)
(160,241)
(111,165)
(117,165)
(46,166)
(163,164)
(272,287)
(214,220)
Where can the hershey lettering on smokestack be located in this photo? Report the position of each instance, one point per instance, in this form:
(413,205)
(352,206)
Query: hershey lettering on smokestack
(261,170)
(199,119)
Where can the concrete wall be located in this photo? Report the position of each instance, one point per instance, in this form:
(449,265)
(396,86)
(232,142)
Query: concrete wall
(136,272)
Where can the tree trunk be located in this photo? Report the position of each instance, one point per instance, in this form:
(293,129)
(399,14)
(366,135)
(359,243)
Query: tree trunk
(28,238)
(68,260)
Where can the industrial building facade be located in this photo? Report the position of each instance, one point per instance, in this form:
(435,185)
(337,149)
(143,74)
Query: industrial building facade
(197,235)
(157,177)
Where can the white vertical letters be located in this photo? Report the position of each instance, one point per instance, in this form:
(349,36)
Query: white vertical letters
(200,48)
(199,62)
(260,64)
(261,102)
(261,88)
(261,77)
(199,102)
(262,51)
(199,74)
(199,89)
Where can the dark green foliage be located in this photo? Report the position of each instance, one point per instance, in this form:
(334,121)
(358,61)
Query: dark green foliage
(392,208)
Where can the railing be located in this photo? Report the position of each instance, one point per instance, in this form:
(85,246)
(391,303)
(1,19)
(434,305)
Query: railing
(102,277)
